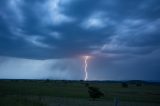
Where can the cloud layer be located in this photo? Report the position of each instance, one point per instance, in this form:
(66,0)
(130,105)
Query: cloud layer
(122,32)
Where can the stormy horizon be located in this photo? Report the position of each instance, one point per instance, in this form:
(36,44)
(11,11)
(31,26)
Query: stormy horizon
(48,39)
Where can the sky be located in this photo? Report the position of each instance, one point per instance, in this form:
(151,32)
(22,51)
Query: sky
(47,39)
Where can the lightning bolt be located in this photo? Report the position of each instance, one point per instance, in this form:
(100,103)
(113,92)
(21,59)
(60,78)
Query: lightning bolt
(85,67)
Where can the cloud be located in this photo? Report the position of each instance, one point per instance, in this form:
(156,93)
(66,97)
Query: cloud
(99,26)
(54,12)
(36,40)
(96,20)
(56,35)
(63,29)
(137,33)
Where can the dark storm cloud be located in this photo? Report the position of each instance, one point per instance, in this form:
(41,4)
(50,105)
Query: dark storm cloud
(122,35)
(59,28)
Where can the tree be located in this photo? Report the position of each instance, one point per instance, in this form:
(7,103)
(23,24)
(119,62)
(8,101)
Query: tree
(125,85)
(138,84)
(94,92)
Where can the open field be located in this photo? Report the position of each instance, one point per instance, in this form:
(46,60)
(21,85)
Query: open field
(74,93)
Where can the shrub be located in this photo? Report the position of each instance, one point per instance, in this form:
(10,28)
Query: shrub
(124,85)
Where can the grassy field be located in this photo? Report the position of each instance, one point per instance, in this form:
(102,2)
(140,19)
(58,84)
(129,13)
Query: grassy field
(74,93)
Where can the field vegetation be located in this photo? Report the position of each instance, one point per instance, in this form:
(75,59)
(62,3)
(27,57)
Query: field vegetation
(75,93)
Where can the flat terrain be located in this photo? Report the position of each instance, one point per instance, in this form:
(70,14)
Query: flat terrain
(74,93)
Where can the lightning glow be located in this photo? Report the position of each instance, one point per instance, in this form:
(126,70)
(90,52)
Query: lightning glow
(85,67)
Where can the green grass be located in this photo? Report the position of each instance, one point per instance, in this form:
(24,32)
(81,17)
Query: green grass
(20,92)
(19,101)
